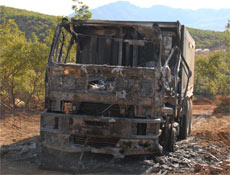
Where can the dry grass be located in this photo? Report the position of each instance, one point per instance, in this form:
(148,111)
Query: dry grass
(223,104)
(213,129)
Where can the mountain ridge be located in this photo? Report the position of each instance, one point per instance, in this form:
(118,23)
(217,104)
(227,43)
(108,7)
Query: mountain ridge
(205,19)
(33,22)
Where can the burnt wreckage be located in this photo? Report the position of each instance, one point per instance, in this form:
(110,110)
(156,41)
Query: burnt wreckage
(118,88)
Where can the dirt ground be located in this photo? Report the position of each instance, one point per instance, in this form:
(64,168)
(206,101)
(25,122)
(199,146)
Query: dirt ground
(18,126)
(208,129)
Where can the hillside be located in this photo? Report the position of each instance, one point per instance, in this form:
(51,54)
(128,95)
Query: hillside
(30,22)
(207,38)
(206,19)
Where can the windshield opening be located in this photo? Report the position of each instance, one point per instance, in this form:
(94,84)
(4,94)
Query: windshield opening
(134,46)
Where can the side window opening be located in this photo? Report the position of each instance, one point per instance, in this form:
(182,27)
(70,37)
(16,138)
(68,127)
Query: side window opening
(64,51)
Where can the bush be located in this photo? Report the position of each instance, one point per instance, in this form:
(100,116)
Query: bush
(223,105)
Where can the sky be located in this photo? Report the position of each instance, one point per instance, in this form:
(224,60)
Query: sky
(63,7)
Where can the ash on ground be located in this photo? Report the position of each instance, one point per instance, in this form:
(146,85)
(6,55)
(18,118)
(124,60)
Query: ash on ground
(190,157)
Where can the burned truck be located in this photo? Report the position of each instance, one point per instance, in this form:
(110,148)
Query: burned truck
(118,88)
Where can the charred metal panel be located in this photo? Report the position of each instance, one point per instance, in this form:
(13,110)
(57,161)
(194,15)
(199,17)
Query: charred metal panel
(189,54)
(79,83)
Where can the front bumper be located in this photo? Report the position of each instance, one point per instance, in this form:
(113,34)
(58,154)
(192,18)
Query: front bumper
(99,134)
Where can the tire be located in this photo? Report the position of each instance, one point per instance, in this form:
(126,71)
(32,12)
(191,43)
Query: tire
(172,140)
(186,121)
(184,128)
(190,117)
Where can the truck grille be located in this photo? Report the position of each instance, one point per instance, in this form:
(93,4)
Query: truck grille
(94,141)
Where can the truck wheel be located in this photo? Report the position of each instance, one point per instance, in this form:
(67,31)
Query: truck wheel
(185,122)
(172,140)
(190,117)
(184,127)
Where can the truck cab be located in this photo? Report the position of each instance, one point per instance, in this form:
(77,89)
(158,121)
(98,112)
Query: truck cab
(118,87)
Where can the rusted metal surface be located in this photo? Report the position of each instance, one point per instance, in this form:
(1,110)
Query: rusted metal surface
(116,87)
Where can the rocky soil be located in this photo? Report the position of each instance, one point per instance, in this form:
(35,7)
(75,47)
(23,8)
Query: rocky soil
(206,151)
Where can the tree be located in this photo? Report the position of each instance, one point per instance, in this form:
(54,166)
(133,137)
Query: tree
(81,11)
(13,56)
(34,80)
(224,80)
(212,73)
(227,35)
(22,63)
(199,81)
(207,73)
